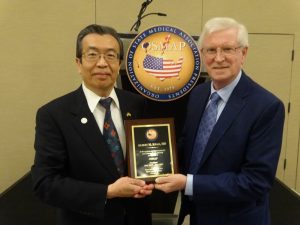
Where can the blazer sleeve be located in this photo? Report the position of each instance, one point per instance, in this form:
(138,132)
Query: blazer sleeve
(260,148)
(51,181)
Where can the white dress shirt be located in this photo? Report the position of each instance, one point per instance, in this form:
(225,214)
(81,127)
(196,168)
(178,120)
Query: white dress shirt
(99,112)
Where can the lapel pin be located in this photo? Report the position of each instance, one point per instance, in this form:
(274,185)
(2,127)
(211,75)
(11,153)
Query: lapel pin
(84,120)
(128,114)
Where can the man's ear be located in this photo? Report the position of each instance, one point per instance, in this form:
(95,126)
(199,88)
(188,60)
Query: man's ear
(244,53)
(78,63)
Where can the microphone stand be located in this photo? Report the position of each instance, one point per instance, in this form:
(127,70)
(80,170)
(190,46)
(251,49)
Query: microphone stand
(140,16)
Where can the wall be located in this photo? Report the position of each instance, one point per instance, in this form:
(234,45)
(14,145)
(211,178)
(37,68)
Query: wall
(37,64)
(38,60)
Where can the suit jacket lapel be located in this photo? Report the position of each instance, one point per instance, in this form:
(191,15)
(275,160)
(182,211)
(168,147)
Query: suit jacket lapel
(90,132)
(195,116)
(234,105)
(126,112)
(198,110)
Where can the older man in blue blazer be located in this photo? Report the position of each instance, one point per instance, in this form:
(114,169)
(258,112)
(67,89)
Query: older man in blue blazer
(230,144)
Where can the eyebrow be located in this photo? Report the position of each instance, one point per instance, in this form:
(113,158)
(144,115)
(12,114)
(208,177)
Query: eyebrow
(96,49)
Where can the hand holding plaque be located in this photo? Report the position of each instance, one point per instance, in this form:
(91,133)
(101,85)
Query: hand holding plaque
(151,148)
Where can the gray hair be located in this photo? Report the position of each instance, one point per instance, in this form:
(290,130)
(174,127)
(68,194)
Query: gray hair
(224,23)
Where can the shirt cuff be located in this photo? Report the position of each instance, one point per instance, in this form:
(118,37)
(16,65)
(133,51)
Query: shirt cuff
(189,185)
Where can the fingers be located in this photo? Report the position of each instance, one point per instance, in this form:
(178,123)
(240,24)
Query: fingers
(161,187)
(130,187)
(171,183)
(166,187)
(143,193)
(161,180)
(136,182)
(139,196)
(148,187)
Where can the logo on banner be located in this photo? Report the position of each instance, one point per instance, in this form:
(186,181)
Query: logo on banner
(163,63)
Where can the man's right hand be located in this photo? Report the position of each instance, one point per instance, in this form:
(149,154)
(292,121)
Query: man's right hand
(129,187)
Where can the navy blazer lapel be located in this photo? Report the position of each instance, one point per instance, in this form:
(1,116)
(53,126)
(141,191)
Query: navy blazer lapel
(127,112)
(90,132)
(199,107)
(197,103)
(234,105)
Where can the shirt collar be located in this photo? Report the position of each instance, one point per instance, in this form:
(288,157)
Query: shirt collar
(226,91)
(93,99)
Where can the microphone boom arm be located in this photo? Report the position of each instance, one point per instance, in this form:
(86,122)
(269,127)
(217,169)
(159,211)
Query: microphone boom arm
(140,16)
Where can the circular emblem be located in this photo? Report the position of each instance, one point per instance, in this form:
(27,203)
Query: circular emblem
(163,63)
(151,134)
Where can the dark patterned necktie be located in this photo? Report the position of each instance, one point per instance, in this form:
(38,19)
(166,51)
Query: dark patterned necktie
(206,126)
(111,136)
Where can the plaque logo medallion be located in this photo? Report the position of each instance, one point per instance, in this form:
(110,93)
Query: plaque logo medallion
(151,134)
(163,63)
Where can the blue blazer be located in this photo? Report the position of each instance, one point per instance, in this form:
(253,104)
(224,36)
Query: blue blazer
(73,164)
(240,160)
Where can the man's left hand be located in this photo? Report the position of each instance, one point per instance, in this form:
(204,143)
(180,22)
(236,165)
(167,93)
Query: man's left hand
(170,183)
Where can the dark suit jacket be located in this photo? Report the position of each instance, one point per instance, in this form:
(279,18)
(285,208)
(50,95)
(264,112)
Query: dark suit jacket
(240,159)
(73,165)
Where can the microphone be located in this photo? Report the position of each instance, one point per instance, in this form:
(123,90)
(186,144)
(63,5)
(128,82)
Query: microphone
(158,13)
(140,16)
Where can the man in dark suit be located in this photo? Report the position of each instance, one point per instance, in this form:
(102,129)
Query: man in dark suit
(227,170)
(74,168)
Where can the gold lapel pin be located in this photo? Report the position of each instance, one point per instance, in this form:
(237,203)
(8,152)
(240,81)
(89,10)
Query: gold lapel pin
(128,114)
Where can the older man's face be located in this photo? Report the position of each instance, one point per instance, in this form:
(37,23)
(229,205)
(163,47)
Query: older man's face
(223,56)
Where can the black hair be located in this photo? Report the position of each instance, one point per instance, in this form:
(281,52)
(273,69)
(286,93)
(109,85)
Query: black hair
(97,29)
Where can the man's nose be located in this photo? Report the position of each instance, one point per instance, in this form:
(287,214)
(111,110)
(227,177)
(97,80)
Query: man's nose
(101,61)
(219,55)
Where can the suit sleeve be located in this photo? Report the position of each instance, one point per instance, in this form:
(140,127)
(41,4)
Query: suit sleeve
(256,173)
(51,181)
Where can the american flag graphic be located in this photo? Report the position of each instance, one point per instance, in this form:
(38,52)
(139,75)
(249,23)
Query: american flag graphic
(162,68)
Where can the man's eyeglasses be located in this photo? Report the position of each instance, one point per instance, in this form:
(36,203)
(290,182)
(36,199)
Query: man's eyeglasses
(225,51)
(94,56)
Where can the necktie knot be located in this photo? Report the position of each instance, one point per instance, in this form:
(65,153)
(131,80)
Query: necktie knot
(214,98)
(106,102)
